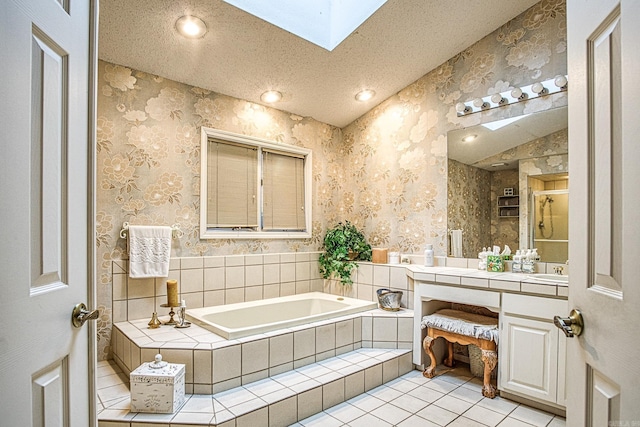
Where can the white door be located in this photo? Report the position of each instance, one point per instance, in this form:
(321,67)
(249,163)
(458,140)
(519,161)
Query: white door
(603,363)
(46,238)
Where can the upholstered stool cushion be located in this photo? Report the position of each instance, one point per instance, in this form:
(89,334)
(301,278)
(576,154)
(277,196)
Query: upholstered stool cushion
(463,323)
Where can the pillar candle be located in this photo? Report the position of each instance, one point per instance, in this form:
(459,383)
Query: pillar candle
(172,293)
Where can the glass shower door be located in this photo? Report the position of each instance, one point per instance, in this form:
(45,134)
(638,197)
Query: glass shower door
(550,224)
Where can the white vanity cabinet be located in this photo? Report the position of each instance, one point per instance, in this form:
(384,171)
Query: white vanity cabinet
(532,350)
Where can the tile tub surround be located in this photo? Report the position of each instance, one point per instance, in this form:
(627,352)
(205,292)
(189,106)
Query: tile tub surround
(410,400)
(215,280)
(214,364)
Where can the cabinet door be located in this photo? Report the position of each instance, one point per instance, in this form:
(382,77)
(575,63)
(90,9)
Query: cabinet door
(529,358)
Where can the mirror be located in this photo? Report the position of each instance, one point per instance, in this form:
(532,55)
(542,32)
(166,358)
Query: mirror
(502,176)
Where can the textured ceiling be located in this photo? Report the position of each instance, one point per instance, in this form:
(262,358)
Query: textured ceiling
(242,56)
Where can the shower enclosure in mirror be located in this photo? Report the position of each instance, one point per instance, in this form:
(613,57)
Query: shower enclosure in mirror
(549,213)
(490,166)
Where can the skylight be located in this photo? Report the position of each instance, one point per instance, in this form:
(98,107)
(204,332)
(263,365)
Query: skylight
(325,23)
(502,123)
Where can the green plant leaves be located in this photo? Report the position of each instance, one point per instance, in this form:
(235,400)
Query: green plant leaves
(338,243)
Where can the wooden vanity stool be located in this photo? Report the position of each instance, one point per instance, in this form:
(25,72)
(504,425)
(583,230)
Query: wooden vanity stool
(463,328)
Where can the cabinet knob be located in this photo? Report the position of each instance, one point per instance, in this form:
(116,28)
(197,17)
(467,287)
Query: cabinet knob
(571,325)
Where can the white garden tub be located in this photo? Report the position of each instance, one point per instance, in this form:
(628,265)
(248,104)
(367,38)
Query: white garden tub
(239,320)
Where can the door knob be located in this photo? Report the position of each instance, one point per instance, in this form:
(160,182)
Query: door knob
(80,315)
(571,325)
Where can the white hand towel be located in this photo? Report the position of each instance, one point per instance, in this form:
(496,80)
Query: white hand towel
(149,251)
(456,243)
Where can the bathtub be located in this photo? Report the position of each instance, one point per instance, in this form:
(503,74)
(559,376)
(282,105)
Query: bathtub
(239,320)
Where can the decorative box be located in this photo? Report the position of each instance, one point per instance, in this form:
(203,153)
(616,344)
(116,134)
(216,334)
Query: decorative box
(157,387)
(495,263)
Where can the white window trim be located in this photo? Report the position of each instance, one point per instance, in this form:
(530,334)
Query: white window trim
(210,233)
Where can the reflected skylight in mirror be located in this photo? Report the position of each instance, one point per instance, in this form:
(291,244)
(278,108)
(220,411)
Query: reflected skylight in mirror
(325,23)
(502,123)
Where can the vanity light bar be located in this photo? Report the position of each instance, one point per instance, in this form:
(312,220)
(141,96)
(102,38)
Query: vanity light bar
(557,84)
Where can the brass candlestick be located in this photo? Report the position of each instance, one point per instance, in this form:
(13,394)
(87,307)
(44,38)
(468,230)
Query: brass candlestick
(171,320)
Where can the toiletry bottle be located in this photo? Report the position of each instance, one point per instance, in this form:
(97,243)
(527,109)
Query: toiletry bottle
(527,262)
(516,267)
(482,256)
(428,256)
(535,255)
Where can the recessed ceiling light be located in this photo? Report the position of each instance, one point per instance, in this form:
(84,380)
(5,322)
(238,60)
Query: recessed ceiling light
(191,27)
(271,96)
(365,95)
(469,138)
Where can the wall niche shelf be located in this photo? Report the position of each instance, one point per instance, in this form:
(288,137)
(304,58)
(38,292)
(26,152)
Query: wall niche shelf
(509,206)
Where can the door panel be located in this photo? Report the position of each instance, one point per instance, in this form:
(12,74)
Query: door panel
(602,367)
(603,79)
(46,365)
(50,406)
(49,91)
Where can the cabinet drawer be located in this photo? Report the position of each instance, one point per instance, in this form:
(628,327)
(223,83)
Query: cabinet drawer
(537,307)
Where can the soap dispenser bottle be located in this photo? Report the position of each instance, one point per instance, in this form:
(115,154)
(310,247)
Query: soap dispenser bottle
(534,255)
(516,267)
(428,256)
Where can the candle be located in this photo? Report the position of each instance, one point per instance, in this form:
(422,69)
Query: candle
(172,293)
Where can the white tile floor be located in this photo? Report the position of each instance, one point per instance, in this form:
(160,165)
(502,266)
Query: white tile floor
(452,398)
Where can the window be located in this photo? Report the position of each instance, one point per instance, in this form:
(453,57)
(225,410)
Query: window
(253,188)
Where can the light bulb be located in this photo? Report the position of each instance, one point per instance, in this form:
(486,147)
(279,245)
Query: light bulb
(518,94)
(191,27)
(497,98)
(560,81)
(539,88)
(271,96)
(479,103)
(462,108)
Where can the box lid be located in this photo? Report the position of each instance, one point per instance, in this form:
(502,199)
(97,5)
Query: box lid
(158,368)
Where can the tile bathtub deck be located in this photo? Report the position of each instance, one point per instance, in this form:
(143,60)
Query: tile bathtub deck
(452,398)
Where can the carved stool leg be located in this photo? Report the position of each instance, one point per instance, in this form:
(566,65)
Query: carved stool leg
(449,360)
(490,359)
(427,344)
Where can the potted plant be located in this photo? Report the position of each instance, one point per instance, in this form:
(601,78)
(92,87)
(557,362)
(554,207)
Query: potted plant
(344,244)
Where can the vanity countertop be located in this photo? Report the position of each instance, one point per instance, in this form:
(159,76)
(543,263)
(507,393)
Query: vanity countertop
(507,281)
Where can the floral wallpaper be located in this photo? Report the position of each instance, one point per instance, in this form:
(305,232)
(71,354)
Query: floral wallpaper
(395,167)
(386,172)
(469,206)
(148,166)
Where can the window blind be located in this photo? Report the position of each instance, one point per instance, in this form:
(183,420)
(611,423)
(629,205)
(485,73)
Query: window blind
(283,191)
(232,185)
